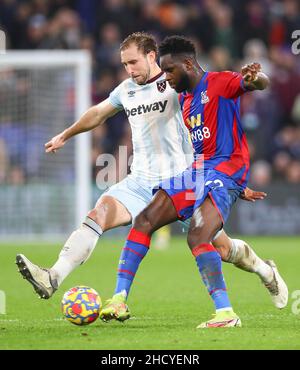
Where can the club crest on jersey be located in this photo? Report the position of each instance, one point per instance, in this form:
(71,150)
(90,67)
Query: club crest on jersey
(204,97)
(161,86)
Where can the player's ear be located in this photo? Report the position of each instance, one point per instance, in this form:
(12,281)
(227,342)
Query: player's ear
(152,56)
(188,64)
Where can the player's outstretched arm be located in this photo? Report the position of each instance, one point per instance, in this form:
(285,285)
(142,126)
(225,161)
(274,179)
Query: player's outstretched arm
(254,78)
(252,195)
(92,118)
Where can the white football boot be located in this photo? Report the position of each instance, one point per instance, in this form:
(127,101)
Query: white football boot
(277,287)
(38,277)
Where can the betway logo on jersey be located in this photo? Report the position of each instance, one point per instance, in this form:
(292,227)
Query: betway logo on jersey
(147,108)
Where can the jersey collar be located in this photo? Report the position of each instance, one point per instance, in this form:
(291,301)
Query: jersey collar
(198,87)
(155,77)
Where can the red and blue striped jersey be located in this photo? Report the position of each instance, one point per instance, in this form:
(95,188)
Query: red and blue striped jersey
(212,115)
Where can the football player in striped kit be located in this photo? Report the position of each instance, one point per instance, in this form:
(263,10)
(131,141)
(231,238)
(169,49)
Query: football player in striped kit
(207,189)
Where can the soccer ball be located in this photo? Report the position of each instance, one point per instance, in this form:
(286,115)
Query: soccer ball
(81,305)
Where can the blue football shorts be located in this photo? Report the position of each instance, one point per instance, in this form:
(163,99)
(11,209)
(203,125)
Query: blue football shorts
(189,189)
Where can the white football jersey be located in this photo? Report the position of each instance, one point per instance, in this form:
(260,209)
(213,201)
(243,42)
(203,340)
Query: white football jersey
(161,146)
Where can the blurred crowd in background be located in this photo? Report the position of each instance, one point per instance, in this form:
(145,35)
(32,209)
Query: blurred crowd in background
(228,34)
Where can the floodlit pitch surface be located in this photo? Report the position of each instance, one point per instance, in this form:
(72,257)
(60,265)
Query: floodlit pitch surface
(167,302)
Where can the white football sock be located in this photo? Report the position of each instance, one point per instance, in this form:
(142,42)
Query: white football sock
(76,250)
(244,257)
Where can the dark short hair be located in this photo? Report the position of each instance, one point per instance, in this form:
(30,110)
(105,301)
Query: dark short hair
(177,45)
(144,42)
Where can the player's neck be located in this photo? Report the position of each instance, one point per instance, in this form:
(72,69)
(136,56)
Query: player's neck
(195,78)
(154,72)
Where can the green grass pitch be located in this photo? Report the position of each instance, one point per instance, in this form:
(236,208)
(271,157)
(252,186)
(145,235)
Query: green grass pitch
(167,302)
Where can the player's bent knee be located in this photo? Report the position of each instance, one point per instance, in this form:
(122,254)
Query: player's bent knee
(95,215)
(100,215)
(223,245)
(223,252)
(142,223)
(195,238)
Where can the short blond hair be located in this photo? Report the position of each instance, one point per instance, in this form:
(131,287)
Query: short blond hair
(144,42)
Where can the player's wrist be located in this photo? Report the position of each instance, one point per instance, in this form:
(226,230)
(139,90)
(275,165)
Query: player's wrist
(65,135)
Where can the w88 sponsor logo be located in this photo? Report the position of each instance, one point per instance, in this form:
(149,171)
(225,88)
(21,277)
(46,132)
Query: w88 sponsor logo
(200,134)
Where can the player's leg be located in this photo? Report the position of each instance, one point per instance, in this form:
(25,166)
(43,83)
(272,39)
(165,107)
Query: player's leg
(107,214)
(110,211)
(239,253)
(205,223)
(159,212)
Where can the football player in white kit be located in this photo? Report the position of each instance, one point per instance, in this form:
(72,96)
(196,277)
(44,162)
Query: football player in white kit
(161,149)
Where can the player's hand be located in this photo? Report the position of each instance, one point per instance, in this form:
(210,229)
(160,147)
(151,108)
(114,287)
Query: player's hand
(252,195)
(250,71)
(55,143)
